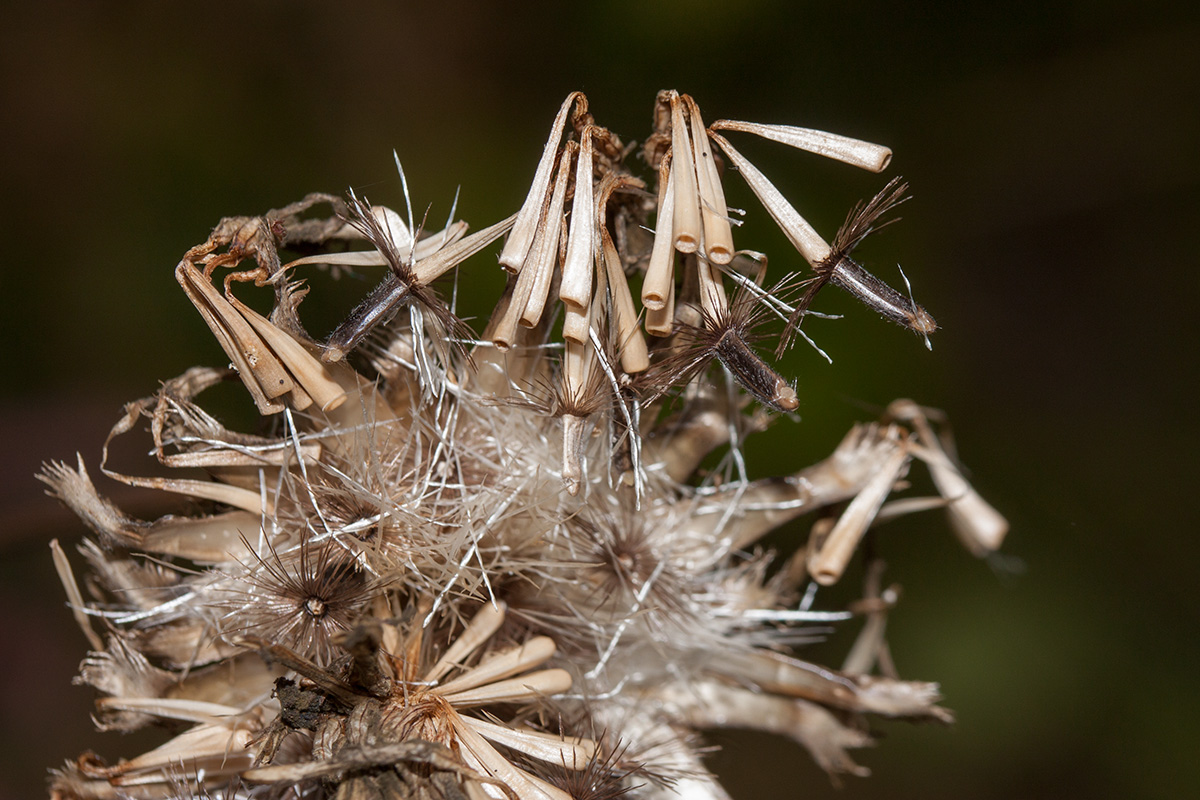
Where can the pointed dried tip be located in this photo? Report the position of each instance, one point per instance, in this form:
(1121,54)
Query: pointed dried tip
(483,625)
(532,653)
(569,753)
(514,690)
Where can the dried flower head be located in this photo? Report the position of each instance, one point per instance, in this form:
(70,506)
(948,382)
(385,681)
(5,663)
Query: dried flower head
(491,565)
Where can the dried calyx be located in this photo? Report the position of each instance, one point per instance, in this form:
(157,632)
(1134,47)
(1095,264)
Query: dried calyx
(459,564)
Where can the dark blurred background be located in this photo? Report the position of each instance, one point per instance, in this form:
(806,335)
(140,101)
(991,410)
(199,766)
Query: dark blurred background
(1052,152)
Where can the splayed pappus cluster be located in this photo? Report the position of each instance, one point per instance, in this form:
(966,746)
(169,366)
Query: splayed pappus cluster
(490,564)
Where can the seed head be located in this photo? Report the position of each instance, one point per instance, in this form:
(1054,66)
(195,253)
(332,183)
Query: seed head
(521,562)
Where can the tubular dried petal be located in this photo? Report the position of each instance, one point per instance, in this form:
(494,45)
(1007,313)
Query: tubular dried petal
(659,283)
(631,343)
(481,628)
(513,690)
(441,261)
(264,377)
(530,215)
(576,289)
(308,372)
(526,786)
(827,559)
(802,235)
(571,753)
(979,526)
(718,235)
(545,251)
(536,651)
(873,157)
(576,324)
(687,226)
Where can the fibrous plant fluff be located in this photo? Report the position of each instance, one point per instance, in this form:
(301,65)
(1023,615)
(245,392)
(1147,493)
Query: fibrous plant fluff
(522,562)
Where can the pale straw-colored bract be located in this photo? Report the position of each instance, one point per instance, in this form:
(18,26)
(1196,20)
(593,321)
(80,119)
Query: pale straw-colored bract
(517,562)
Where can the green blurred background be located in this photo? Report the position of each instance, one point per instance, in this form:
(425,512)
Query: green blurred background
(1052,152)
